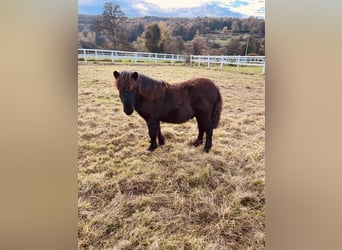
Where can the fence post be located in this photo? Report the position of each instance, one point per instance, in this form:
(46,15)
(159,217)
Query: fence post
(95,55)
(135,57)
(199,60)
(112,57)
(173,56)
(155,57)
(190,59)
(238,63)
(221,65)
(208,61)
(263,68)
(85,55)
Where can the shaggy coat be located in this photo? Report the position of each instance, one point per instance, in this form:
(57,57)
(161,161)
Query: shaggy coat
(158,101)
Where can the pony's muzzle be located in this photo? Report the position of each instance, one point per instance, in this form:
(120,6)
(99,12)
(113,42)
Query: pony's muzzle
(128,101)
(128,111)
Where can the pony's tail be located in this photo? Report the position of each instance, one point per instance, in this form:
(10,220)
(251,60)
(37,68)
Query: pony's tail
(215,117)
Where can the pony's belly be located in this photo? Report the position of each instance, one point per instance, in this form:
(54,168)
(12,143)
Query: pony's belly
(177,117)
(170,120)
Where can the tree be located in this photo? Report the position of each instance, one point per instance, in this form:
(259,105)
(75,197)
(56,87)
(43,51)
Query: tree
(170,44)
(245,26)
(261,30)
(153,40)
(235,26)
(139,44)
(249,46)
(260,50)
(233,48)
(135,31)
(100,42)
(173,45)
(110,25)
(198,46)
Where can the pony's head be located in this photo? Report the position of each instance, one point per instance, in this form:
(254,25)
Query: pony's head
(127,84)
(132,84)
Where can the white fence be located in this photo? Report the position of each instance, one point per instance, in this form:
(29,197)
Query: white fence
(258,61)
(116,55)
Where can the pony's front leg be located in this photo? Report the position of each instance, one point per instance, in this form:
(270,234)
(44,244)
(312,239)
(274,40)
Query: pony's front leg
(153,131)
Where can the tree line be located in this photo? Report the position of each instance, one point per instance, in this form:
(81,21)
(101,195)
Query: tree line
(197,36)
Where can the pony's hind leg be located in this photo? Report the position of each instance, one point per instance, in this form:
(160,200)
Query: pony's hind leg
(199,139)
(160,138)
(204,125)
(208,139)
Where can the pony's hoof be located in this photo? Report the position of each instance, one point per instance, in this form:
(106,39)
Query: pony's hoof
(206,150)
(197,143)
(151,148)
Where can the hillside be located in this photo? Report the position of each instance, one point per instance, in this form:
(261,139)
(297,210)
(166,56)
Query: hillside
(215,36)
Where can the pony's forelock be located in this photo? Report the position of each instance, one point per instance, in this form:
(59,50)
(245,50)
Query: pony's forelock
(125,81)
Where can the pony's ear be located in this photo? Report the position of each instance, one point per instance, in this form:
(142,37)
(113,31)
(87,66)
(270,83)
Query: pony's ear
(116,74)
(135,75)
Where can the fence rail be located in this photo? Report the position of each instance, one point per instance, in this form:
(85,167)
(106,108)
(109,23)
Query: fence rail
(116,55)
(257,61)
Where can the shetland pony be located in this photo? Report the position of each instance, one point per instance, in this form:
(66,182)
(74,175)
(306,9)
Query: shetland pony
(158,101)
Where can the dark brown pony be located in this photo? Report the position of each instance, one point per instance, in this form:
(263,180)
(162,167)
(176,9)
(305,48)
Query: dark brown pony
(159,101)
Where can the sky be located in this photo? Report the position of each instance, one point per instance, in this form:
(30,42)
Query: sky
(179,8)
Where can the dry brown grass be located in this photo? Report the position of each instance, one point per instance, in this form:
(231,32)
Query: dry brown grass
(175,197)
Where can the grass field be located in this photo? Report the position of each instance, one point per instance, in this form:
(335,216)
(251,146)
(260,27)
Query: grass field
(176,197)
(242,68)
(223,39)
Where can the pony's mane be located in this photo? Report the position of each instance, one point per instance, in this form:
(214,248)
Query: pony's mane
(150,88)
(125,81)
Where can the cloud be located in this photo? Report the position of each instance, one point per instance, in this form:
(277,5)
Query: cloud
(141,7)
(244,7)
(250,7)
(88,2)
(184,8)
(177,4)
